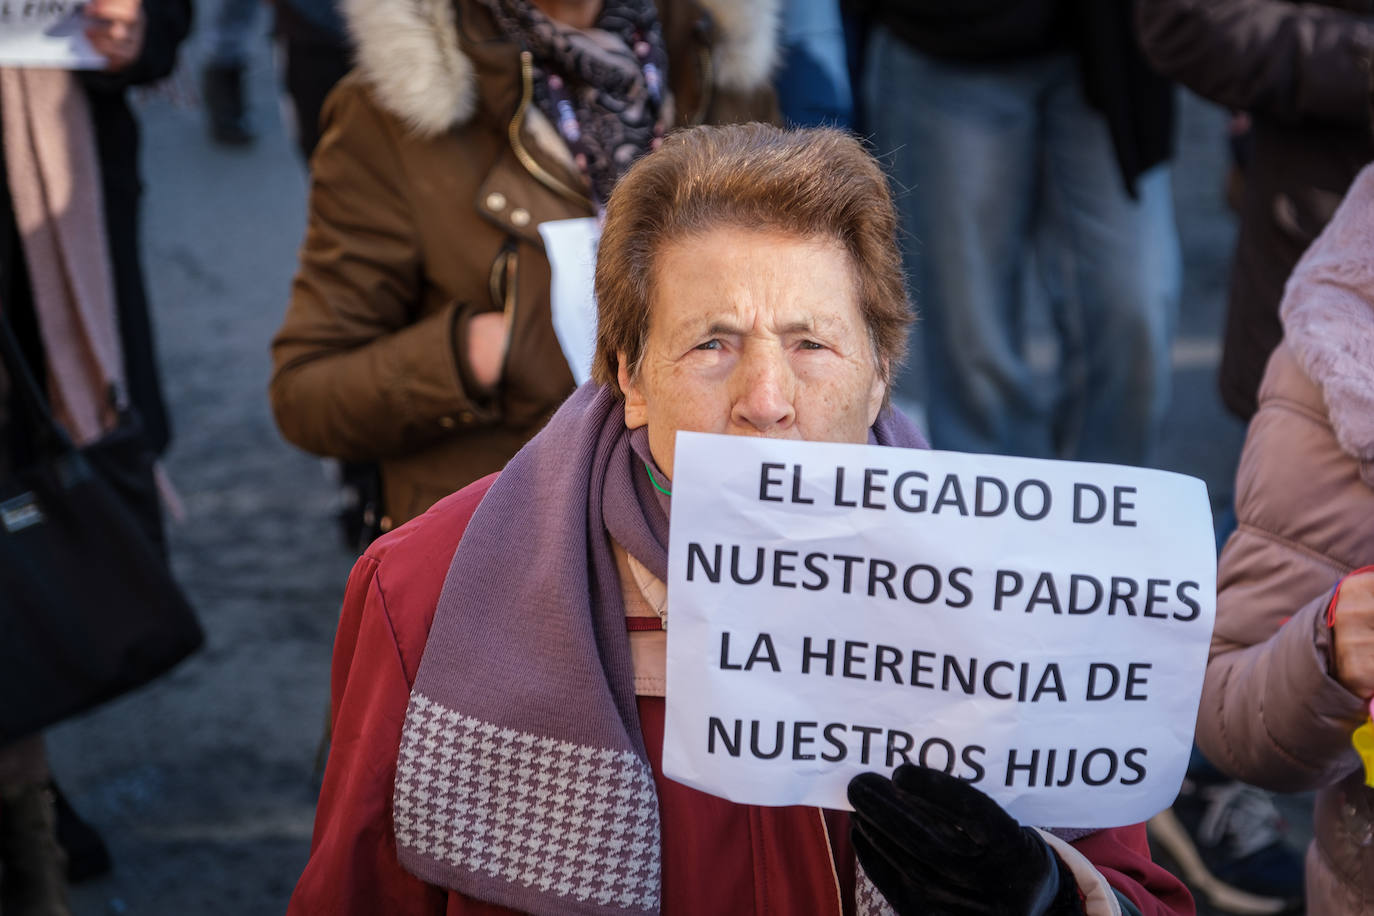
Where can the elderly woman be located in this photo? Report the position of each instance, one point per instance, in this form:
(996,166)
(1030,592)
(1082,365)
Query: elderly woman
(499,672)
(1291,672)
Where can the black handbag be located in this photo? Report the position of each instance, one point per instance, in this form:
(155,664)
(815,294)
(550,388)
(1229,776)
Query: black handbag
(89,609)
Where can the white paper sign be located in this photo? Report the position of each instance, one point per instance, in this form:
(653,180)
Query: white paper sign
(1038,628)
(571,247)
(46,33)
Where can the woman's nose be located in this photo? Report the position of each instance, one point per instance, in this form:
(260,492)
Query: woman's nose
(764,397)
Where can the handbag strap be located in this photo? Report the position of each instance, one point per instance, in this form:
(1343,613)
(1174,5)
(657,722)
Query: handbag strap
(51,438)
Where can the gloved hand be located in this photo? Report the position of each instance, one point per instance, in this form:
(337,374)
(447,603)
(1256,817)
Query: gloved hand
(934,844)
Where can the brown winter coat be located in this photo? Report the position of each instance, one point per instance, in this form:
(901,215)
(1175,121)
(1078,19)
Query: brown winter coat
(1272,714)
(431,179)
(1303,72)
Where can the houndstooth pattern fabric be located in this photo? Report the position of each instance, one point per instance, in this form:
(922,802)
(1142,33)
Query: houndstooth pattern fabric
(560,818)
(868,900)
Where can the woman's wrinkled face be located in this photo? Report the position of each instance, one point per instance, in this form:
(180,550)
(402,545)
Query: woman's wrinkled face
(754,333)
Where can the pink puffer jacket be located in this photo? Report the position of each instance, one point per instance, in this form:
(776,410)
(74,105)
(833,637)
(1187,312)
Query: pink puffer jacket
(1271,712)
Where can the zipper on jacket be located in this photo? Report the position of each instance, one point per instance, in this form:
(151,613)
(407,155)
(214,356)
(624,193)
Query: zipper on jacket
(496,280)
(830,854)
(512,286)
(538,172)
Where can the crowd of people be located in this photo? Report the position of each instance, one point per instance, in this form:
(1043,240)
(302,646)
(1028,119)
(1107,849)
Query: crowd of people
(756,273)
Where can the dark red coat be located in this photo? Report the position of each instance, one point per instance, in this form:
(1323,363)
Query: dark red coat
(717,857)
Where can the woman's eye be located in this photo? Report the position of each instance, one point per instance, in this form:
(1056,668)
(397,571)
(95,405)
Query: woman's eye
(712,344)
(811,345)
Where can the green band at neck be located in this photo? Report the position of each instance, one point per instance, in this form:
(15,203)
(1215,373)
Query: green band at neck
(656,484)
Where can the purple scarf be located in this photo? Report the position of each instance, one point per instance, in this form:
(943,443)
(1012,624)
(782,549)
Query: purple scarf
(522,778)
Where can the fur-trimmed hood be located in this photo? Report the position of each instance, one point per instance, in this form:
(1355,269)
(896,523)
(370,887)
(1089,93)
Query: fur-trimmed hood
(1328,317)
(409,53)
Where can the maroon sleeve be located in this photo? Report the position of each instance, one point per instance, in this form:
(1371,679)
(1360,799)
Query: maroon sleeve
(1122,855)
(353,867)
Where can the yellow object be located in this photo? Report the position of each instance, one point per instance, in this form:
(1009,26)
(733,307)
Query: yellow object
(1363,739)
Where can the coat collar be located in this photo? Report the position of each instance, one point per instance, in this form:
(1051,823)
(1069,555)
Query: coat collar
(433,74)
(1328,317)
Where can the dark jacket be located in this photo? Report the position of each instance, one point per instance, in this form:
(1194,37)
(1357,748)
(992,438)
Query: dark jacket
(1302,71)
(986,30)
(430,182)
(1137,104)
(311,21)
(117,139)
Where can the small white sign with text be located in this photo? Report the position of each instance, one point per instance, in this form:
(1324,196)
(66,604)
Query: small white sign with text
(46,33)
(1038,628)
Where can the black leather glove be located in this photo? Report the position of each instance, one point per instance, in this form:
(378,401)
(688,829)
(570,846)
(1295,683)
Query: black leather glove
(933,844)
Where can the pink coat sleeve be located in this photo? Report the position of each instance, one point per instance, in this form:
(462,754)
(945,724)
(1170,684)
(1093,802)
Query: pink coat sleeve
(1272,714)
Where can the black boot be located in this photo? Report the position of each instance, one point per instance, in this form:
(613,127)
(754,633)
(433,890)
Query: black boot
(224,102)
(87,855)
(34,877)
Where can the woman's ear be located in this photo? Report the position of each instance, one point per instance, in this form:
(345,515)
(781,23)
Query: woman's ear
(878,390)
(636,410)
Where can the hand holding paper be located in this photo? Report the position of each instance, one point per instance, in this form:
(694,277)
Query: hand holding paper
(1353,622)
(116,30)
(932,843)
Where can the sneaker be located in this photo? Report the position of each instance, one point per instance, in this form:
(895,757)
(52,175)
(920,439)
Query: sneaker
(1226,841)
(224,102)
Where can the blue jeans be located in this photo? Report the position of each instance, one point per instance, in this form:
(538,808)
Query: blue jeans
(997,166)
(232,32)
(813,80)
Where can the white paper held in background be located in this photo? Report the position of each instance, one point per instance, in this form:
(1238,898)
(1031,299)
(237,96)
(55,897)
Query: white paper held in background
(571,248)
(49,34)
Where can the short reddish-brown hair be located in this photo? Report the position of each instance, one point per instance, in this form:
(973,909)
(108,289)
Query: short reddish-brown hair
(811,182)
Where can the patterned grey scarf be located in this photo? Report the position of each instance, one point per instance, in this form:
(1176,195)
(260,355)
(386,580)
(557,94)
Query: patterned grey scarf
(605,89)
(522,778)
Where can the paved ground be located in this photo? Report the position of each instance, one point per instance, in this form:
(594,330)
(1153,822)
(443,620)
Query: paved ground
(202,783)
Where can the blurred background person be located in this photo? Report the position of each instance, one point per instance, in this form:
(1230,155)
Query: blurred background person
(1020,127)
(418,334)
(313,42)
(1301,72)
(72,292)
(314,54)
(233,29)
(1291,672)
(813,74)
